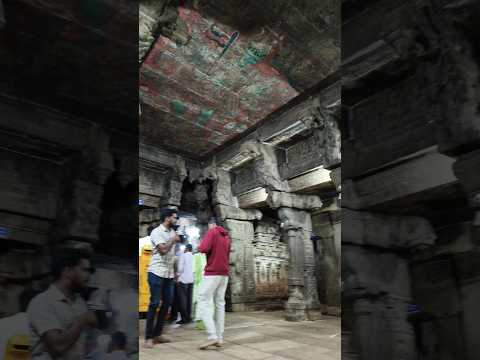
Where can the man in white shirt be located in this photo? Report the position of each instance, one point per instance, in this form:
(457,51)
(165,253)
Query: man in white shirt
(145,240)
(185,284)
(161,276)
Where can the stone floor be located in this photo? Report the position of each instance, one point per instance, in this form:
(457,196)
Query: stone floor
(254,336)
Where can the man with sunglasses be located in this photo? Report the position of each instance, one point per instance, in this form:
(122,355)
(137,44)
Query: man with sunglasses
(161,275)
(59,317)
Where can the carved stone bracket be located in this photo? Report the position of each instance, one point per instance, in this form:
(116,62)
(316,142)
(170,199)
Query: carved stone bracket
(277,199)
(230,212)
(384,231)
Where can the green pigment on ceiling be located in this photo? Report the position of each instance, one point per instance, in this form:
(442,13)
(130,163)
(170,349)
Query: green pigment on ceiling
(204,116)
(178,107)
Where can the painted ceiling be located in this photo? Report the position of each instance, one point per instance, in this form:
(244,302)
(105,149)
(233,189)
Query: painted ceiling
(229,65)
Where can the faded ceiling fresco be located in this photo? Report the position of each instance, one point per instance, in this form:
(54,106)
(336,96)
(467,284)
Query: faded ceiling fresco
(220,70)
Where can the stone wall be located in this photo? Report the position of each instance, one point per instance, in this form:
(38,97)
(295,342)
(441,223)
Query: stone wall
(327,227)
(411,87)
(66,182)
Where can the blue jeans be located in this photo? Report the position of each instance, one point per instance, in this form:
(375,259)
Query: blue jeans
(160,289)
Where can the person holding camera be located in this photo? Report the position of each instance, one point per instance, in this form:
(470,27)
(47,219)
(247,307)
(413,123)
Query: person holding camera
(59,317)
(161,276)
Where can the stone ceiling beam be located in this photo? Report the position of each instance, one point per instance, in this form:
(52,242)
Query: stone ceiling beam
(316,179)
(278,199)
(289,120)
(413,177)
(253,199)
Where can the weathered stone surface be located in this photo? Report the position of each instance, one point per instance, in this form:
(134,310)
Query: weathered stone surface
(376,141)
(28,185)
(470,181)
(383,231)
(302,156)
(153,179)
(231,212)
(83,213)
(376,287)
(242,273)
(424,173)
(246,178)
(252,199)
(327,250)
(271,261)
(336,177)
(459,125)
(303,294)
(316,179)
(278,199)
(222,189)
(151,14)
(24,228)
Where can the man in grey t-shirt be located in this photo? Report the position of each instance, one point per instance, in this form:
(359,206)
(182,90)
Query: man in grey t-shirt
(58,318)
(161,276)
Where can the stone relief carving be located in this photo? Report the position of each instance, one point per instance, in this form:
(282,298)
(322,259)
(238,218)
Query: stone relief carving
(159,17)
(271,260)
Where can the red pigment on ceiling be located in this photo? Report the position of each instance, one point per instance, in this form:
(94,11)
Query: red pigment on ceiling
(239,89)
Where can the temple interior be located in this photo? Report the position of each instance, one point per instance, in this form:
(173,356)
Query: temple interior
(239,120)
(410,183)
(337,141)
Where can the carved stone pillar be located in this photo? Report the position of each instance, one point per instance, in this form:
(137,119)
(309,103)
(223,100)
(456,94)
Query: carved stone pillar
(303,294)
(176,182)
(296,304)
(242,266)
(377,280)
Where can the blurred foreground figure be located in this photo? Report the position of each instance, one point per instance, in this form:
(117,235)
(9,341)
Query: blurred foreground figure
(58,317)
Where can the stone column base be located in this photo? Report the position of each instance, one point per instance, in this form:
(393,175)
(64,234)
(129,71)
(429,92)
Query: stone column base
(295,311)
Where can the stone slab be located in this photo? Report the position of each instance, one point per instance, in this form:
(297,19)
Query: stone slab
(412,177)
(230,212)
(315,179)
(253,199)
(277,199)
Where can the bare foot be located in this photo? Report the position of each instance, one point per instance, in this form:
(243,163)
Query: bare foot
(206,345)
(160,340)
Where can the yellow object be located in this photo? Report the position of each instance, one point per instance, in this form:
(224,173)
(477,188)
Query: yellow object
(143,289)
(18,348)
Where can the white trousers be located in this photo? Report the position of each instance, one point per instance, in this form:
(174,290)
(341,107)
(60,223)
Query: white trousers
(213,288)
